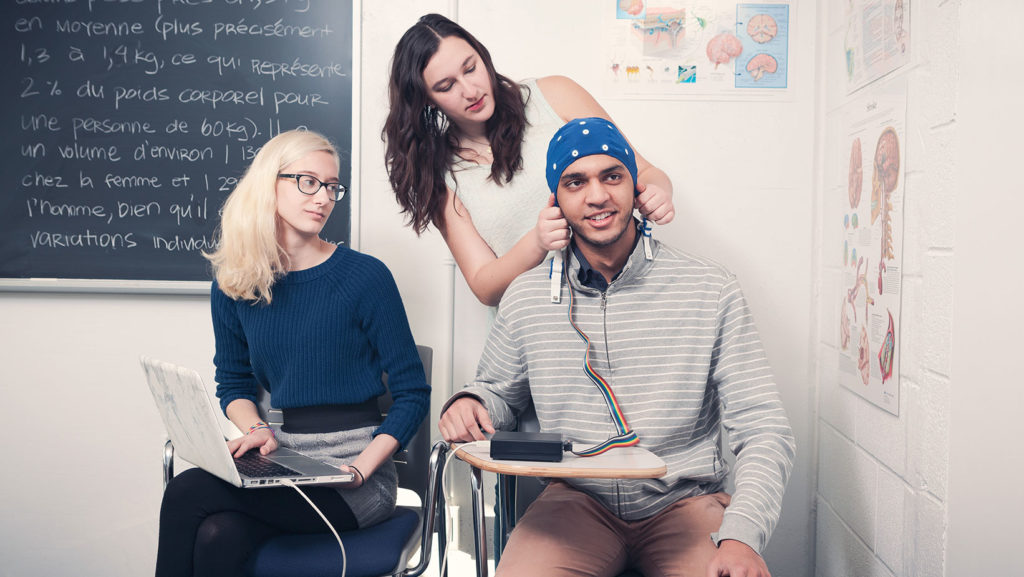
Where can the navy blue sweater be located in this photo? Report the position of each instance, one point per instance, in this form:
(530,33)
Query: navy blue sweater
(329,333)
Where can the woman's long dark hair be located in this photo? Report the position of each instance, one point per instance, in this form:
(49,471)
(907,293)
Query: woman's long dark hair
(420,140)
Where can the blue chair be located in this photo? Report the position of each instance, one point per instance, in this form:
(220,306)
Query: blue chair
(380,550)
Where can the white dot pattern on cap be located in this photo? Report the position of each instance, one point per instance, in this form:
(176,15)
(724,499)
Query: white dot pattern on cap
(572,142)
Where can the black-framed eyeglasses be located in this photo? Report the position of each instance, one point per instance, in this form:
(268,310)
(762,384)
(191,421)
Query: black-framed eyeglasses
(311,185)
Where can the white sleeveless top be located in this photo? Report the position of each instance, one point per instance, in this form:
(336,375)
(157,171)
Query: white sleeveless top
(503,214)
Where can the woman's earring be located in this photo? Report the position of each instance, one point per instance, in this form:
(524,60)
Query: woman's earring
(435,118)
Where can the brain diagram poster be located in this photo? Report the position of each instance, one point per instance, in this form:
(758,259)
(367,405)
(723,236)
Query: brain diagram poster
(872,250)
(673,48)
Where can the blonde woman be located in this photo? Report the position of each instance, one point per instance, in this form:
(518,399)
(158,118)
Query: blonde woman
(315,325)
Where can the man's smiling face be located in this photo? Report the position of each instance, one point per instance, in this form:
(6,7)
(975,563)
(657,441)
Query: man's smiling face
(596,197)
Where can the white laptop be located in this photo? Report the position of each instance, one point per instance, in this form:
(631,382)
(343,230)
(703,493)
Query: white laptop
(192,425)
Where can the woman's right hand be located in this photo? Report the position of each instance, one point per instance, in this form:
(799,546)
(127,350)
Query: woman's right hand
(262,439)
(486,274)
(552,229)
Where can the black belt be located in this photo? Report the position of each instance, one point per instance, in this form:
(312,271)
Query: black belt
(331,418)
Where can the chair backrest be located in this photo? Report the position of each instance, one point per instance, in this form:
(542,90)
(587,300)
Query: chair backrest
(412,461)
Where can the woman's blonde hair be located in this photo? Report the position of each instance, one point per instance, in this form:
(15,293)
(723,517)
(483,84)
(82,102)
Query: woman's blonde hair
(249,257)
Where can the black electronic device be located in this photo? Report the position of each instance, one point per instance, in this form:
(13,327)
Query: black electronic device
(522,446)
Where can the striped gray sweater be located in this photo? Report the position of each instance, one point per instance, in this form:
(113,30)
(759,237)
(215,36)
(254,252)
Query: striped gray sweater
(675,340)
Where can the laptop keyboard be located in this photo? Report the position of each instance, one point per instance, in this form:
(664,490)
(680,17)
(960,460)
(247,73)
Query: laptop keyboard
(252,464)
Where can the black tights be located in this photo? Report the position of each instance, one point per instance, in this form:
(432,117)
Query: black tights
(210,527)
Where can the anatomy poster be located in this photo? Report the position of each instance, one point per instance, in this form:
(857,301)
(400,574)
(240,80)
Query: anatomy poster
(676,48)
(877,39)
(872,251)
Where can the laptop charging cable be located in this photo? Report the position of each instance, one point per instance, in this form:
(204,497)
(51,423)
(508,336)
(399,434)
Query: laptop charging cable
(444,471)
(344,559)
(447,516)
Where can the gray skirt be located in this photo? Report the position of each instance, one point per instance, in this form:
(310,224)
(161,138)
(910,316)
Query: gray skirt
(375,500)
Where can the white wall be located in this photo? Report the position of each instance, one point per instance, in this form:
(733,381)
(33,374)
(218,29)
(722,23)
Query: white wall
(986,399)
(75,403)
(744,181)
(921,494)
(882,480)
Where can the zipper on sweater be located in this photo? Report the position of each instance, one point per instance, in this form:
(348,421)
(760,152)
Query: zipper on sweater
(604,329)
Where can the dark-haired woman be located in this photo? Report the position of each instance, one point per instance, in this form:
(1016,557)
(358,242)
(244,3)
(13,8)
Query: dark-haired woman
(465,153)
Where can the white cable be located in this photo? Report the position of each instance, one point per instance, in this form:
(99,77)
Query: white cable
(447,502)
(344,559)
(447,505)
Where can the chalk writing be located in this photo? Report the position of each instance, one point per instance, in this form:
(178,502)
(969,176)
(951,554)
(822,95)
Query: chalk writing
(86,238)
(128,122)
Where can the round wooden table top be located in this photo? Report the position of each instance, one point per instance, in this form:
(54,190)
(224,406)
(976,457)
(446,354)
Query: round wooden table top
(620,463)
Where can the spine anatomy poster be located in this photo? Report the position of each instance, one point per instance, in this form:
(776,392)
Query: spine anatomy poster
(872,251)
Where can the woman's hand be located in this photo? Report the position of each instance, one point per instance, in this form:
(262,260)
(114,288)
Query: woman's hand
(655,203)
(366,463)
(552,229)
(357,480)
(263,439)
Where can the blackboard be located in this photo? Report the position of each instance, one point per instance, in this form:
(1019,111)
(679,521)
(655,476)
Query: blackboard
(127,122)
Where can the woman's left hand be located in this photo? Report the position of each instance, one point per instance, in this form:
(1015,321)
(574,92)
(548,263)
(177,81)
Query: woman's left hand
(378,452)
(655,203)
(358,480)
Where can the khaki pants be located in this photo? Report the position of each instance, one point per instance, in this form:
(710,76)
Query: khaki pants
(567,532)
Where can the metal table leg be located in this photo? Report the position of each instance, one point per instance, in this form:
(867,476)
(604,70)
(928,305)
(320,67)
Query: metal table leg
(506,511)
(479,521)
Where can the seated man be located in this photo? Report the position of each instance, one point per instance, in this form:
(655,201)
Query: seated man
(671,335)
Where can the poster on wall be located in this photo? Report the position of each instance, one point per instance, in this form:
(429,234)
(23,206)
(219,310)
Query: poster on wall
(872,251)
(697,48)
(877,39)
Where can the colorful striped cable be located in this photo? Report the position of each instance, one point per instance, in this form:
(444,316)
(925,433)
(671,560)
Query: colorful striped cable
(626,437)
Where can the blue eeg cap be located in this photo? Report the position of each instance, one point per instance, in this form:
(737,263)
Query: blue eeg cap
(584,137)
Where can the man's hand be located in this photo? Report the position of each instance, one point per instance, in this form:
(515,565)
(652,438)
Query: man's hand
(737,559)
(463,421)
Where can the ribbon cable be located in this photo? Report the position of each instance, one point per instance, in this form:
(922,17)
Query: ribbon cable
(626,437)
